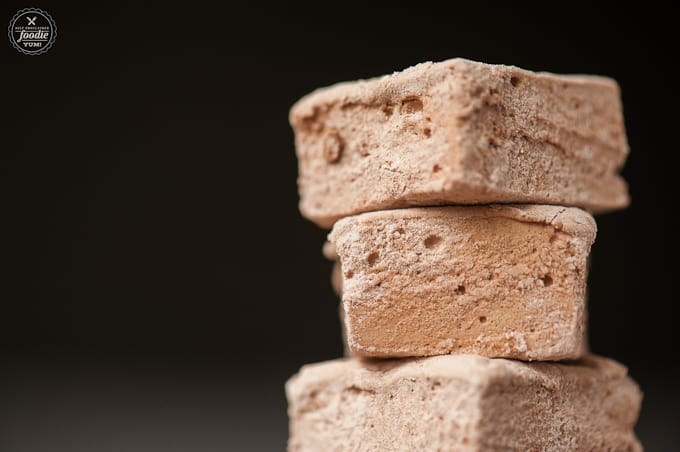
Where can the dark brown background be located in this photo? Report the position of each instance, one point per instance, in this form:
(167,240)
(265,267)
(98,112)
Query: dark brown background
(158,283)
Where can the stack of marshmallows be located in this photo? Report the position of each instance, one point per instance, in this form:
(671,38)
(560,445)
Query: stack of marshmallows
(458,196)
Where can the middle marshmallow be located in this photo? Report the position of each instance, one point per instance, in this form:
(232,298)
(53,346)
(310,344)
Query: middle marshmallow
(503,281)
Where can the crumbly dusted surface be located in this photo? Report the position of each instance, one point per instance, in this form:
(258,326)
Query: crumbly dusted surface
(462,403)
(460,132)
(500,281)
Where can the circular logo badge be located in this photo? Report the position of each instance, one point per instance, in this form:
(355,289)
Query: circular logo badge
(32,31)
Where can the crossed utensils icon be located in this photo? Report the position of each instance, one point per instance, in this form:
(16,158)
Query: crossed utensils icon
(31,21)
